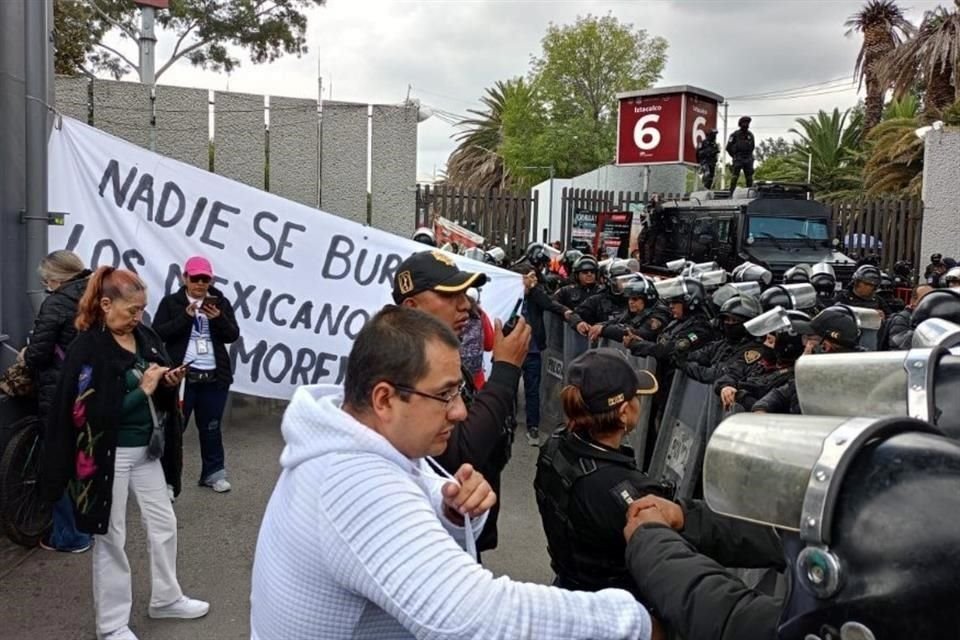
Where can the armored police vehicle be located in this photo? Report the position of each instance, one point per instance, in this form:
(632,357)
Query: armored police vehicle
(777,225)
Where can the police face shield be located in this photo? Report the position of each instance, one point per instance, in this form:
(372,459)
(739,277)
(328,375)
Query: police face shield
(802,295)
(775,320)
(867,319)
(671,288)
(474,253)
(619,282)
(936,332)
(749,272)
(734,289)
(711,279)
(700,267)
(676,266)
(496,255)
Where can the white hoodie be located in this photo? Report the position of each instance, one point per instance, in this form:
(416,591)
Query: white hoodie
(353,544)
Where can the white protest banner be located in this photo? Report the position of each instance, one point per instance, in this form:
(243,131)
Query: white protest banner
(303,282)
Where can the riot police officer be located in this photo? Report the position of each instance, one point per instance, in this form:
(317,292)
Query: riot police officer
(880,564)
(745,383)
(585,284)
(689,329)
(824,281)
(750,272)
(862,290)
(645,317)
(951,279)
(603,306)
(798,274)
(567,260)
(586,475)
(935,270)
(707,153)
(740,146)
(712,361)
(897,332)
(837,331)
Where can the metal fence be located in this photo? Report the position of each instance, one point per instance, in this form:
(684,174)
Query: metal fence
(503,218)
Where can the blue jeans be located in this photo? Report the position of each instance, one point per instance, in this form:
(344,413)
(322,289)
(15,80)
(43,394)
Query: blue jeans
(531,388)
(208,399)
(64,536)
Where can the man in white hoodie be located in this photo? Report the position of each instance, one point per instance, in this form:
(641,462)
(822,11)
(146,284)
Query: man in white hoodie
(362,538)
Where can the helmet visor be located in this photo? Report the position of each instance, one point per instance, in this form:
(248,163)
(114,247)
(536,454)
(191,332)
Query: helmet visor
(677,265)
(734,289)
(474,253)
(802,295)
(671,288)
(780,449)
(773,321)
(823,268)
(711,279)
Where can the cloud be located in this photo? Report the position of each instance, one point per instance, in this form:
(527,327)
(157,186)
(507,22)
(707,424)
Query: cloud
(449,51)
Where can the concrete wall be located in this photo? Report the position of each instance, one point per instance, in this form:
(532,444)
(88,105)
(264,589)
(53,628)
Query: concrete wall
(663,179)
(122,108)
(393,168)
(183,124)
(343,165)
(239,137)
(294,149)
(941,195)
(73,97)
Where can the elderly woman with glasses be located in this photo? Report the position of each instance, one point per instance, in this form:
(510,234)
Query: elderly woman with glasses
(197,323)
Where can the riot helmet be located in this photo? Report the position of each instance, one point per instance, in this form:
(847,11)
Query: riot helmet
(712,134)
(867,274)
(686,291)
(936,258)
(540,255)
(474,253)
(570,257)
(750,272)
(425,235)
(640,286)
(617,272)
(495,256)
(952,278)
(734,312)
(797,275)
(733,289)
(585,265)
(862,505)
(902,273)
(886,282)
(789,296)
(786,326)
(744,121)
(824,279)
(941,303)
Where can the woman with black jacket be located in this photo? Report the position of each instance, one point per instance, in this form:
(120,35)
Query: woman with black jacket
(114,429)
(196,324)
(63,274)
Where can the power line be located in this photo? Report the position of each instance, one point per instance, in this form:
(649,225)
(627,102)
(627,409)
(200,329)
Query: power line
(791,90)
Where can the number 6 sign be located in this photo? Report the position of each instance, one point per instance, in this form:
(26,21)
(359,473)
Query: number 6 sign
(664,126)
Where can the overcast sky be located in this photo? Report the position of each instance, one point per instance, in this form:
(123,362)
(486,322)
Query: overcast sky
(449,51)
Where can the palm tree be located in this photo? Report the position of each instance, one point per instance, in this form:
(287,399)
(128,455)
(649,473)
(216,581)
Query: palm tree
(477,162)
(895,157)
(931,58)
(884,27)
(829,142)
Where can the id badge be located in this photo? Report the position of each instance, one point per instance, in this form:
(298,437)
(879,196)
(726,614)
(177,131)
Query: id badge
(203,348)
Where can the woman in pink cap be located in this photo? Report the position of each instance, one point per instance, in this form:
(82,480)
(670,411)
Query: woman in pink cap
(196,324)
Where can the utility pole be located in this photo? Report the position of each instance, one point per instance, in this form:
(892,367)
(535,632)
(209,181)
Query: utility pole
(723,151)
(148,50)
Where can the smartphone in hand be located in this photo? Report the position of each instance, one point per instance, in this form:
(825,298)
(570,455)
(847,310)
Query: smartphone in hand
(210,301)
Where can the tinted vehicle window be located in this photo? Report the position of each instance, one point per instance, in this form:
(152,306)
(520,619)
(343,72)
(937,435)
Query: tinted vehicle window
(788,228)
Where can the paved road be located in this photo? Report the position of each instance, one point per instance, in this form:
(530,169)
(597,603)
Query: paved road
(48,595)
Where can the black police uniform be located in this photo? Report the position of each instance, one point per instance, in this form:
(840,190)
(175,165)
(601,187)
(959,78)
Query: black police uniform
(573,295)
(782,399)
(599,308)
(849,298)
(740,146)
(707,153)
(718,357)
(647,324)
(678,339)
(583,490)
(676,569)
(752,380)
(897,332)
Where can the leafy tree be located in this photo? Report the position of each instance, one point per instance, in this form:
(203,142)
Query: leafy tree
(894,164)
(930,58)
(830,141)
(204,29)
(769,148)
(579,72)
(884,27)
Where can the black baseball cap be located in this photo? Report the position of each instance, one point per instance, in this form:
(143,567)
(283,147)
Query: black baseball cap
(432,271)
(606,379)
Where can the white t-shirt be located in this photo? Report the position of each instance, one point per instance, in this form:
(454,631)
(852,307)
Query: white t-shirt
(200,345)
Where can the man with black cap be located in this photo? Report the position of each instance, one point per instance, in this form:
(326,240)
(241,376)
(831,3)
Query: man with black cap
(934,270)
(707,153)
(431,282)
(740,146)
(862,290)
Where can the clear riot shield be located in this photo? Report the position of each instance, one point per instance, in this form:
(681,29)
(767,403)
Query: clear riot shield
(573,344)
(551,372)
(681,440)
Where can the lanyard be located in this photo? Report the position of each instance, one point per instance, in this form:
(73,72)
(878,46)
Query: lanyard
(467,525)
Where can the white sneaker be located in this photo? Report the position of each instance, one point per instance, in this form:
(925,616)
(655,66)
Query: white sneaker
(221,486)
(170,495)
(123,633)
(185,608)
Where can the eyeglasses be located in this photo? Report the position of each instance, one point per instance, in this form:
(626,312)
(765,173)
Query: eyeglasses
(199,279)
(447,399)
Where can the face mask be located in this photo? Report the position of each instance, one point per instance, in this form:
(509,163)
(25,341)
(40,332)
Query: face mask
(733,331)
(768,354)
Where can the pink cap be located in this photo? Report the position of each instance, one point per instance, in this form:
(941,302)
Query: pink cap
(198,266)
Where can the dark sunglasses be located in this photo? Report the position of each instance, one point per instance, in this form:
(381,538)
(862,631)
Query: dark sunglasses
(199,279)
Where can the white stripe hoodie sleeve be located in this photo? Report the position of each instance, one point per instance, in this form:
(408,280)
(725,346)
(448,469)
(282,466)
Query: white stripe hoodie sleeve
(384,541)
